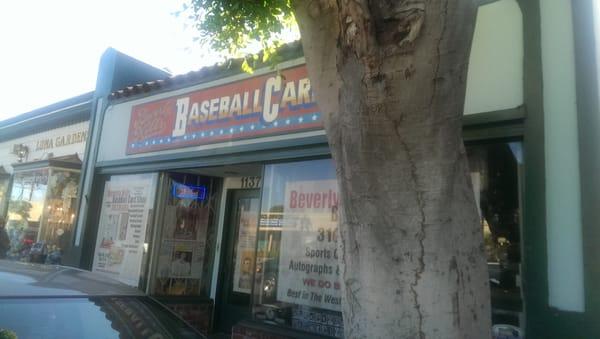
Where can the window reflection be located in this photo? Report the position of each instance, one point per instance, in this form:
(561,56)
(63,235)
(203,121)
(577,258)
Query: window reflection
(297,272)
(25,210)
(279,293)
(41,210)
(94,317)
(4,182)
(59,213)
(495,172)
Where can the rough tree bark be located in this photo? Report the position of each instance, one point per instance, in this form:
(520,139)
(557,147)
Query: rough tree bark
(390,76)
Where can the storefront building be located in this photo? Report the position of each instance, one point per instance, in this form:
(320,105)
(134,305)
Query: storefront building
(41,154)
(40,165)
(215,191)
(202,203)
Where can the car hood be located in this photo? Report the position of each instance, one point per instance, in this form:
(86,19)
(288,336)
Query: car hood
(34,280)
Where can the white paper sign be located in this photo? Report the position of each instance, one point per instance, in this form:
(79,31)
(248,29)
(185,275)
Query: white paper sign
(126,207)
(309,272)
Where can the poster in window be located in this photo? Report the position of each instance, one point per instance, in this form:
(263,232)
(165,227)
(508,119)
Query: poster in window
(246,242)
(309,272)
(126,208)
(181,266)
(179,269)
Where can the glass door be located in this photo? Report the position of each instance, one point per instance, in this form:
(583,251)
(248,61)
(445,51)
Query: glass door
(236,274)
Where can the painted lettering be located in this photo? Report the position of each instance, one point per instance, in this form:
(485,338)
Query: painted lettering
(317,200)
(245,107)
(270,111)
(236,106)
(304,91)
(224,108)
(182,115)
(213,109)
(204,106)
(289,95)
(256,102)
(195,113)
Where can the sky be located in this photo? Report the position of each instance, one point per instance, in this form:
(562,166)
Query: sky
(50,50)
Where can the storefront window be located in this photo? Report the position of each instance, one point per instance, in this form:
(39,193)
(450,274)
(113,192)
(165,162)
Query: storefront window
(59,212)
(187,235)
(495,172)
(297,279)
(25,211)
(4,182)
(297,274)
(123,230)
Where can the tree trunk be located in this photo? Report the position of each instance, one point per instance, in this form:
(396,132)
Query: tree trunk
(390,77)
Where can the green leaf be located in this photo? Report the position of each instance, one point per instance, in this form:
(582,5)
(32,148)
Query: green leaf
(235,28)
(246,67)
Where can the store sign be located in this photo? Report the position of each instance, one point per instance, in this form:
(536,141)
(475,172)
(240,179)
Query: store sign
(259,106)
(61,141)
(124,217)
(182,191)
(309,272)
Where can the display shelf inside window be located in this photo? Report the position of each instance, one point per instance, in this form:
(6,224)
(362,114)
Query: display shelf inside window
(187,237)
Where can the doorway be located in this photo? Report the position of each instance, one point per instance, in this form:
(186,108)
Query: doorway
(238,256)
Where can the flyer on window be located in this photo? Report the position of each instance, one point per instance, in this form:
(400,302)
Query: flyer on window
(124,217)
(309,273)
(246,242)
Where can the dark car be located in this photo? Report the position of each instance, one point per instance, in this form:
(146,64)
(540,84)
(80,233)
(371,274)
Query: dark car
(46,301)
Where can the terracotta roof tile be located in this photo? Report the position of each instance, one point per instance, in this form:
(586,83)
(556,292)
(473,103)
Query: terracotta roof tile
(205,74)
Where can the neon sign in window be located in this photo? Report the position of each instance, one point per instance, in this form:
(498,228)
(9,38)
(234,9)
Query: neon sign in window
(183,191)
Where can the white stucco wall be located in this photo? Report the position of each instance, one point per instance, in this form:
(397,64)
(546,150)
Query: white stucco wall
(495,79)
(35,141)
(563,197)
